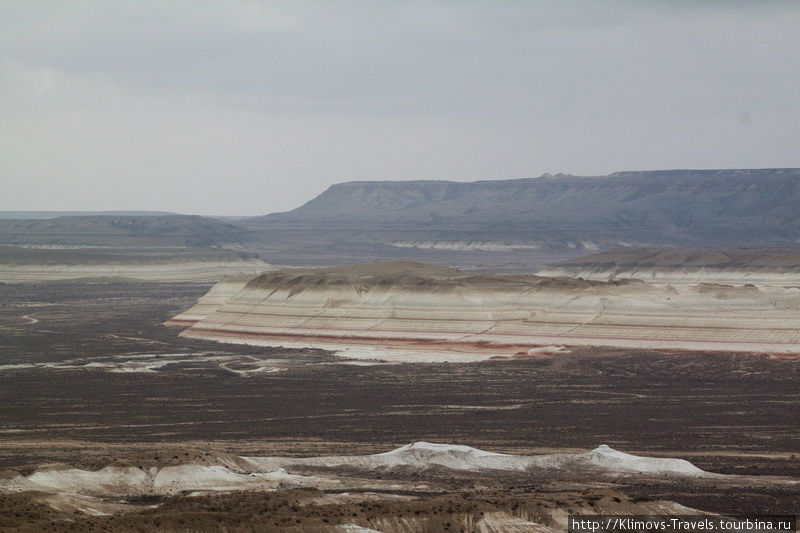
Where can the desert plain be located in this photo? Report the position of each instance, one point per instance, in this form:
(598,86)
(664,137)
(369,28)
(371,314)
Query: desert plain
(112,421)
(412,356)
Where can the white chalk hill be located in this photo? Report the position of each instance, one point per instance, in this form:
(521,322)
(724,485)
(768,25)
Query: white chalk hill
(423,455)
(270,473)
(613,461)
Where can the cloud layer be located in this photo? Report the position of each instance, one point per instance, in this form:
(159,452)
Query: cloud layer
(232,107)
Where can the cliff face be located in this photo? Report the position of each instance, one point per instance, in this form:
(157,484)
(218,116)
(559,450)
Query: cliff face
(549,218)
(510,225)
(392,307)
(674,207)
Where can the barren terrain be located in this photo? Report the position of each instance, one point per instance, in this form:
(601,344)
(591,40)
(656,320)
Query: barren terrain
(89,377)
(415,312)
(513,225)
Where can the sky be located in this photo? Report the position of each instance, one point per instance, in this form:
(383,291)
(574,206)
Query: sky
(234,107)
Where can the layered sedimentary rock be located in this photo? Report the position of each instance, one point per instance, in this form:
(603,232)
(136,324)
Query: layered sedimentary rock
(20,264)
(763,266)
(211,301)
(414,308)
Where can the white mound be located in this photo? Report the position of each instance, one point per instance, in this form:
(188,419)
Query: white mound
(111,479)
(128,481)
(195,477)
(355,528)
(270,473)
(425,455)
(610,460)
(456,457)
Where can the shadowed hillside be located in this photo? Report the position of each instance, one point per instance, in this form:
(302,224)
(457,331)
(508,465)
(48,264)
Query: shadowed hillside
(506,225)
(31,215)
(549,216)
(121,231)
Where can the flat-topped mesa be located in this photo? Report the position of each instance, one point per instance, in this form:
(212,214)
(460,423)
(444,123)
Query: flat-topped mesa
(683,208)
(415,308)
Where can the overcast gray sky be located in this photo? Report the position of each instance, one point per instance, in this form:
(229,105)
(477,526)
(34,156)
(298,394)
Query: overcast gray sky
(249,107)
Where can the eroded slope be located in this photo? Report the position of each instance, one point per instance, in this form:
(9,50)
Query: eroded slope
(415,308)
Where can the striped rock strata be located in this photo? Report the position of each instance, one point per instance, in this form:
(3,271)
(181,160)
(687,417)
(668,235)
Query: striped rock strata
(415,308)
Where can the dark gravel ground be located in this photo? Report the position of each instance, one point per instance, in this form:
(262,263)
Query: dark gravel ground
(728,413)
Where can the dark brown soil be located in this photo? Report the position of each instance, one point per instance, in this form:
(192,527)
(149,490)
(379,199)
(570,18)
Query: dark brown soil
(308,511)
(729,413)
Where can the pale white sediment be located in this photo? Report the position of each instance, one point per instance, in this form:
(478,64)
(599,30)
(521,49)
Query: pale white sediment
(246,365)
(106,490)
(763,267)
(424,455)
(212,300)
(269,473)
(464,246)
(661,275)
(177,271)
(29,319)
(387,313)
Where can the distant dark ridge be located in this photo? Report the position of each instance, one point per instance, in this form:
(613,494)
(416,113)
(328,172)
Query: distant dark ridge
(724,173)
(37,215)
(686,208)
(123,230)
(403,195)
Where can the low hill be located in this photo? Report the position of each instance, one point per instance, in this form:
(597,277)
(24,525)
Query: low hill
(123,231)
(33,215)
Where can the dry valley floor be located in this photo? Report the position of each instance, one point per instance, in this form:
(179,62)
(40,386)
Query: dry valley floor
(89,377)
